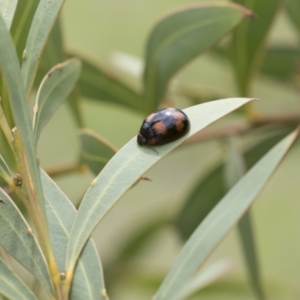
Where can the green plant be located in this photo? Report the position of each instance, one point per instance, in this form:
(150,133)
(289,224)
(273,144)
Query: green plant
(58,250)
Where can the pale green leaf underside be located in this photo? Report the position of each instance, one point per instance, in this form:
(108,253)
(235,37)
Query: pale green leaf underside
(205,277)
(42,23)
(88,280)
(53,91)
(7,10)
(221,219)
(235,168)
(11,285)
(127,166)
(16,239)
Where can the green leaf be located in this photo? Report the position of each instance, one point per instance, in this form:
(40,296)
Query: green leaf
(281,63)
(211,189)
(7,10)
(179,38)
(293,8)
(88,281)
(22,22)
(204,278)
(53,54)
(53,91)
(100,84)
(41,26)
(126,168)
(221,219)
(11,286)
(96,151)
(200,202)
(5,172)
(235,168)
(11,73)
(17,239)
(249,40)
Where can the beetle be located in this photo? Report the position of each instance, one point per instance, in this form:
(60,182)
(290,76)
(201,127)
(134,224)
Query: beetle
(163,126)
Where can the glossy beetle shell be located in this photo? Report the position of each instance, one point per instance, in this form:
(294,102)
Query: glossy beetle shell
(163,126)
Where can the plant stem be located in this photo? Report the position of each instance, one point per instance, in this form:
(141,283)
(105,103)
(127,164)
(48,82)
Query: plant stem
(37,216)
(27,195)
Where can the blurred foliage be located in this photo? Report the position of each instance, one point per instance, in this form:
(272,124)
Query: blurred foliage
(236,34)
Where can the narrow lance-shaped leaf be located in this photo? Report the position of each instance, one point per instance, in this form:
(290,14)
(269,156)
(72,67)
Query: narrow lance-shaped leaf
(180,37)
(249,39)
(21,24)
(126,167)
(11,286)
(221,219)
(7,10)
(53,54)
(205,277)
(42,23)
(53,91)
(88,281)
(18,239)
(235,168)
(96,151)
(211,189)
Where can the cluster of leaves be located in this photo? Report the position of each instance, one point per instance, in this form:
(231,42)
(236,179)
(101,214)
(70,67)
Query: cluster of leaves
(58,251)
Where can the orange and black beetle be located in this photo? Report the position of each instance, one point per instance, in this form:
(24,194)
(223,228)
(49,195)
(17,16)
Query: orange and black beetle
(163,126)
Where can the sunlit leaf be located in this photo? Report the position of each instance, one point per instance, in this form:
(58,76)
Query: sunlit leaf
(180,37)
(221,219)
(126,167)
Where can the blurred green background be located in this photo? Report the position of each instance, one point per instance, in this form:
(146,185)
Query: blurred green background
(97,28)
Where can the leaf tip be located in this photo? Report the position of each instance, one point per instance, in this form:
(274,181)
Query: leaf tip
(94,181)
(104,293)
(247,12)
